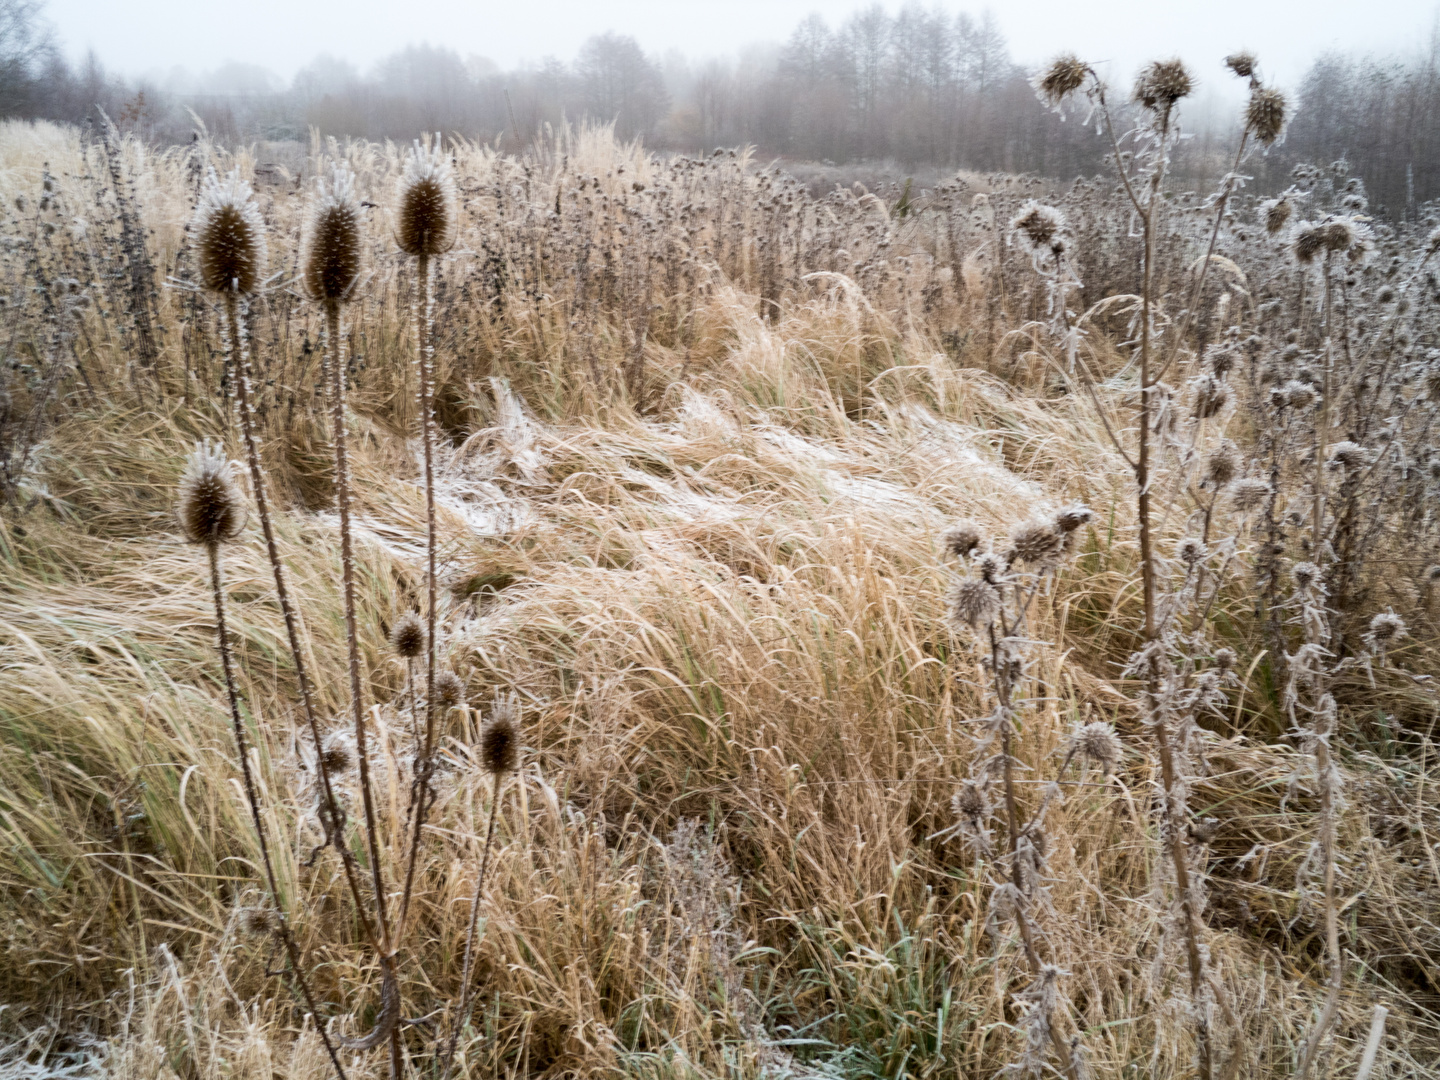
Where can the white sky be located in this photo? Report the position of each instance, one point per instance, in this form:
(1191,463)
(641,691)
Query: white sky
(154,36)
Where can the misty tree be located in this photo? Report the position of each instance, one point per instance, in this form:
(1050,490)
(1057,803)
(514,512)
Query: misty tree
(618,82)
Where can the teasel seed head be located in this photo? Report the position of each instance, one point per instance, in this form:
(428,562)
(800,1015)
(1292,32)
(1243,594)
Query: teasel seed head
(500,738)
(259,922)
(1036,542)
(1348,456)
(333,246)
(1309,241)
(961,539)
(1222,466)
(971,803)
(1265,114)
(1097,742)
(1162,84)
(336,756)
(407,637)
(1248,494)
(1065,75)
(990,567)
(229,235)
(974,603)
(211,509)
(1275,213)
(427,216)
(1242,64)
(449,690)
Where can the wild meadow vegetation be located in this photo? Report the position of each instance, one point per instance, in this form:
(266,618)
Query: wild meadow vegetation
(583,612)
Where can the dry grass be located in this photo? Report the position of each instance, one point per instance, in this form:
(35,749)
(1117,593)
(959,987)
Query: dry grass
(743,712)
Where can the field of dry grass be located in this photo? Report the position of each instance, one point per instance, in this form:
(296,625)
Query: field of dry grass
(695,464)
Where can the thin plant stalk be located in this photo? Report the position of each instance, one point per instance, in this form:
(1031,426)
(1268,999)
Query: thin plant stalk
(252,797)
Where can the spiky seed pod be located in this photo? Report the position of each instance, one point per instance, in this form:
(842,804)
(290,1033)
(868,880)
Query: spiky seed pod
(211,509)
(991,567)
(1265,114)
(1036,542)
(1097,742)
(259,922)
(449,690)
(500,740)
(1340,234)
(961,538)
(1348,456)
(1211,395)
(1039,225)
(1305,574)
(1298,395)
(229,235)
(407,637)
(1242,64)
(330,259)
(1190,551)
(1309,241)
(1162,84)
(1225,659)
(1385,628)
(1222,466)
(974,603)
(1432,242)
(427,217)
(1073,517)
(1063,77)
(970,803)
(1275,213)
(336,756)
(1249,494)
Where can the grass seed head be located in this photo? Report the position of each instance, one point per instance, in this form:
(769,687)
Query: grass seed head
(407,637)
(211,509)
(428,218)
(330,260)
(229,235)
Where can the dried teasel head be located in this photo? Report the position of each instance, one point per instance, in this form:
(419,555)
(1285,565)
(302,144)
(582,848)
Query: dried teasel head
(1097,742)
(335,755)
(258,922)
(211,509)
(971,803)
(427,215)
(1248,494)
(1275,213)
(229,235)
(1222,466)
(1211,395)
(1297,394)
(1385,628)
(1161,84)
(1038,225)
(1191,551)
(333,244)
(962,538)
(407,637)
(974,603)
(1036,542)
(1065,75)
(1348,456)
(1265,115)
(1305,574)
(1242,63)
(1309,241)
(449,690)
(500,738)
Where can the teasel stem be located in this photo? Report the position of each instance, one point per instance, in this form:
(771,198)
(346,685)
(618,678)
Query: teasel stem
(287,939)
(463,1009)
(333,819)
(347,568)
(425,352)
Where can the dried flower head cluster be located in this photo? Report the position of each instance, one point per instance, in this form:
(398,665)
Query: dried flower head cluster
(427,217)
(229,235)
(333,243)
(211,509)
(1163,83)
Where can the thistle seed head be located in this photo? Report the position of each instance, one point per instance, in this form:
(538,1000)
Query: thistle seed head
(1265,114)
(211,509)
(1225,659)
(1348,456)
(1073,517)
(974,603)
(961,538)
(1063,77)
(1298,395)
(1249,494)
(259,922)
(1097,742)
(1162,84)
(330,259)
(1305,574)
(1222,466)
(1036,542)
(407,637)
(229,235)
(1275,213)
(500,738)
(1039,225)
(1309,241)
(991,567)
(1242,64)
(1190,551)
(1385,628)
(336,756)
(449,690)
(427,218)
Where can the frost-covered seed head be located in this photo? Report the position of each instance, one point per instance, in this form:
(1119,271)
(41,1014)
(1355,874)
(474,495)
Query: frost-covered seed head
(1298,395)
(1073,517)
(449,690)
(970,803)
(1162,84)
(211,509)
(330,261)
(1266,114)
(335,756)
(1242,64)
(1063,77)
(991,567)
(1275,214)
(1223,465)
(427,218)
(974,603)
(407,637)
(1305,574)
(1225,659)
(1386,627)
(1039,225)
(1349,456)
(500,738)
(229,235)
(1190,550)
(1098,742)
(259,922)
(961,538)
(1035,542)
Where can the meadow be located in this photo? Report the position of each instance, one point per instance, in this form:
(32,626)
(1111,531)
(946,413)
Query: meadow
(727,631)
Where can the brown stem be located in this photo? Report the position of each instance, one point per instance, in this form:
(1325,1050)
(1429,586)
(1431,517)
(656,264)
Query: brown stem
(287,939)
(332,817)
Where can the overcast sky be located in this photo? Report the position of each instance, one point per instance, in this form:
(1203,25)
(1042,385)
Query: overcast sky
(150,36)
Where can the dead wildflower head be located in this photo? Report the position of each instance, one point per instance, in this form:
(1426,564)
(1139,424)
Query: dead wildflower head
(333,245)
(449,690)
(1163,83)
(211,509)
(1386,628)
(1222,466)
(407,637)
(1305,574)
(1064,75)
(1190,551)
(1226,659)
(229,235)
(1097,742)
(974,603)
(1265,115)
(427,217)
(1242,64)
(1038,543)
(500,738)
(336,755)
(1039,226)
(1348,456)
(1275,213)
(962,538)
(258,922)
